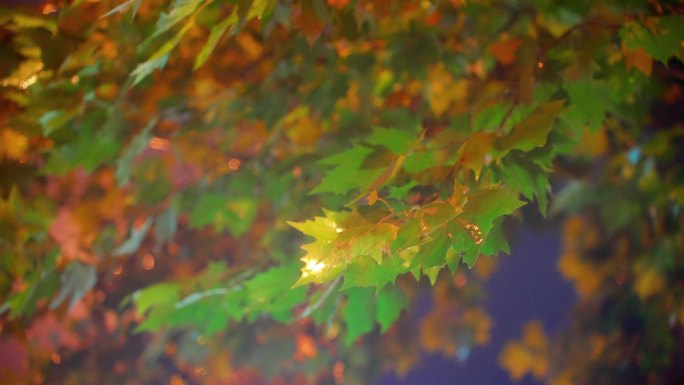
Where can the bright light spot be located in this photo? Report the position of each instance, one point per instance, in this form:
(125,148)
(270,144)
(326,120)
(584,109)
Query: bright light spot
(338,372)
(27,83)
(462,353)
(540,65)
(118,269)
(313,266)
(148,262)
(159,144)
(338,229)
(234,164)
(49,8)
(460,280)
(55,358)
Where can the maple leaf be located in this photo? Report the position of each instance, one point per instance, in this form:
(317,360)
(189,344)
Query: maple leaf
(347,174)
(533,130)
(504,50)
(359,314)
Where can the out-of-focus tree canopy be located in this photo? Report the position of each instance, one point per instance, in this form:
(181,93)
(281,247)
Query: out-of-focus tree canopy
(254,191)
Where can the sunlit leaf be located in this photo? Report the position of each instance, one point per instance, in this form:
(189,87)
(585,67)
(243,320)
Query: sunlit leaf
(217,32)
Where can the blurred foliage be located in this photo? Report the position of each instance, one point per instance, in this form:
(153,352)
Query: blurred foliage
(159,160)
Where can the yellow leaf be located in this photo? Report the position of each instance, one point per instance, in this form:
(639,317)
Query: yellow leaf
(648,281)
(252,48)
(528,355)
(301,128)
(13,145)
(534,337)
(516,359)
(443,91)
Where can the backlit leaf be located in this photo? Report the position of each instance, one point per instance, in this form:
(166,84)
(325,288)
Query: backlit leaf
(359,313)
(390,302)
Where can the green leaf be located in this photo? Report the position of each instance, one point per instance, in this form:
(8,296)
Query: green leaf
(272,291)
(217,32)
(180,9)
(520,174)
(408,235)
(663,44)
(137,146)
(390,302)
(42,284)
(495,242)
(223,212)
(397,141)
(89,151)
(432,253)
(589,100)
(229,307)
(366,272)
(417,161)
(359,313)
(144,69)
(161,294)
(464,247)
(53,120)
(533,130)
(488,204)
(371,240)
(347,174)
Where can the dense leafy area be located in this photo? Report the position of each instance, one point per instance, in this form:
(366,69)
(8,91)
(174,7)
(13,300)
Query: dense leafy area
(163,163)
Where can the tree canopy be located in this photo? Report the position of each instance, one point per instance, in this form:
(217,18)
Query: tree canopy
(253,191)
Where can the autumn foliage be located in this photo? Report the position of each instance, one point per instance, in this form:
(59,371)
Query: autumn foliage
(257,191)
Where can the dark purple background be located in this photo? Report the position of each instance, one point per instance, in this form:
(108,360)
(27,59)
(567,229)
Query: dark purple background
(526,286)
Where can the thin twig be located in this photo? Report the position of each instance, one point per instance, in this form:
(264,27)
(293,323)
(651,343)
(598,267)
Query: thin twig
(314,306)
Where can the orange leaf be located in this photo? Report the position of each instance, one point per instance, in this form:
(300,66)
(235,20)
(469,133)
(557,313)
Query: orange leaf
(306,19)
(504,50)
(639,59)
